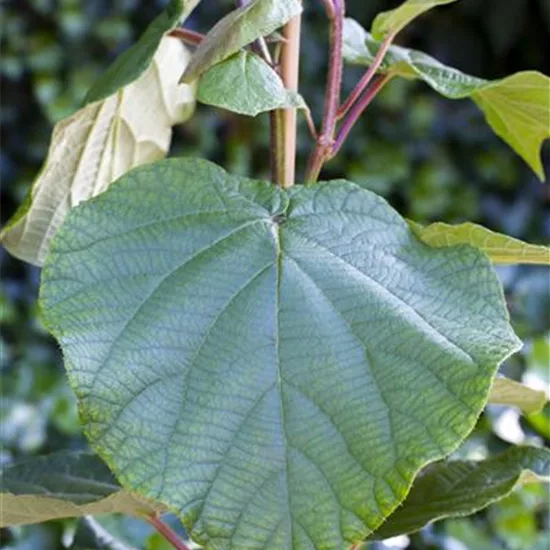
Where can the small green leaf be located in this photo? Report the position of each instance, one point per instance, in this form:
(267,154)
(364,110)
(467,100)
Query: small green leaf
(392,21)
(274,365)
(64,485)
(99,143)
(238,29)
(461,488)
(512,393)
(244,83)
(500,248)
(516,107)
(518,110)
(129,66)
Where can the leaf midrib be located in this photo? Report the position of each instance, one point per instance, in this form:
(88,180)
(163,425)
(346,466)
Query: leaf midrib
(278,240)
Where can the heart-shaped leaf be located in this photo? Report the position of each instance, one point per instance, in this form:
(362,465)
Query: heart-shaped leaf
(462,487)
(516,107)
(64,485)
(273,365)
(99,143)
(392,21)
(246,84)
(512,393)
(501,249)
(238,29)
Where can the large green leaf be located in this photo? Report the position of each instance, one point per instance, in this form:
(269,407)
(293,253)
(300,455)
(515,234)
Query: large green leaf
(500,248)
(99,143)
(516,107)
(129,66)
(244,83)
(512,393)
(273,365)
(64,485)
(238,29)
(392,21)
(461,488)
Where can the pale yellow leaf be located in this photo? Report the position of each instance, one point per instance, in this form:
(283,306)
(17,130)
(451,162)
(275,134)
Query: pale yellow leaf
(500,248)
(99,143)
(509,392)
(25,509)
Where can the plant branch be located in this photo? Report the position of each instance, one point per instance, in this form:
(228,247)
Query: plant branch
(167,532)
(357,110)
(335,11)
(367,77)
(284,120)
(188,36)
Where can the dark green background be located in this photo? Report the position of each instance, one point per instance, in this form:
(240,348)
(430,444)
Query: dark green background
(432,158)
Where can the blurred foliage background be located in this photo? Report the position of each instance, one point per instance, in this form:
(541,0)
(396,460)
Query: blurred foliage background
(433,159)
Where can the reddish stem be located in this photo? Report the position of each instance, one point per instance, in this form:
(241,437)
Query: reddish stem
(335,11)
(357,110)
(188,36)
(367,77)
(167,532)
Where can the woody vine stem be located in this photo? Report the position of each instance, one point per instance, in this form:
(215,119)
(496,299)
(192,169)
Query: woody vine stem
(284,120)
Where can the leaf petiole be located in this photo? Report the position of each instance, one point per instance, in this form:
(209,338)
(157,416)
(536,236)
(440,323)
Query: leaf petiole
(167,532)
(188,36)
(357,110)
(367,77)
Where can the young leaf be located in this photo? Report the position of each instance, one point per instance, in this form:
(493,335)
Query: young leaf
(64,485)
(273,365)
(392,21)
(129,66)
(99,143)
(512,393)
(516,107)
(461,488)
(500,248)
(238,29)
(244,83)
